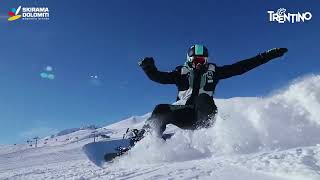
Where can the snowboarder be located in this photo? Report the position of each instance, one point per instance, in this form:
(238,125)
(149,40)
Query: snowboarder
(196,81)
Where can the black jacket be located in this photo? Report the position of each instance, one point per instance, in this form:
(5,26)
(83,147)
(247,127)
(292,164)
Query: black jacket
(220,72)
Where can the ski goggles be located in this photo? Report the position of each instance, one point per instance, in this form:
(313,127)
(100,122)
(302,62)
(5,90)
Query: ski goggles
(199,60)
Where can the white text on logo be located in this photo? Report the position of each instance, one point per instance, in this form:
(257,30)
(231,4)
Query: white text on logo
(281,16)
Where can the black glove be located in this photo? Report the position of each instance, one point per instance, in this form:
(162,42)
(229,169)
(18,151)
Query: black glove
(147,63)
(273,53)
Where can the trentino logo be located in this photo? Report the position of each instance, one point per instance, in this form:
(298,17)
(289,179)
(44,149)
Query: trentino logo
(281,16)
(14,14)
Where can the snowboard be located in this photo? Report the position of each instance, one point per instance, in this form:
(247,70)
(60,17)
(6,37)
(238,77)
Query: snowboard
(106,151)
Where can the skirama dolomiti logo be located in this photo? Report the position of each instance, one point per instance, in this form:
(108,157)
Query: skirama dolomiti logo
(14,14)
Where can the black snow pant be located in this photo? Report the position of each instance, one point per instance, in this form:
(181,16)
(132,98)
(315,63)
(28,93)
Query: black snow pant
(190,116)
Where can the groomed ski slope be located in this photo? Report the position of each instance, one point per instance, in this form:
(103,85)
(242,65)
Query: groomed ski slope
(270,138)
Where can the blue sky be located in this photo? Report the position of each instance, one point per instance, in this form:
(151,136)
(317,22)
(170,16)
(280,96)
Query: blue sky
(107,38)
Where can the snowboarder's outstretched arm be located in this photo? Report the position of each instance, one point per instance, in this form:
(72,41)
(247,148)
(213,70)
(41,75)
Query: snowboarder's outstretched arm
(152,72)
(246,65)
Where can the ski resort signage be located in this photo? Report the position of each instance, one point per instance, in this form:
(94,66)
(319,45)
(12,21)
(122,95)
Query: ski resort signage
(282,17)
(29,13)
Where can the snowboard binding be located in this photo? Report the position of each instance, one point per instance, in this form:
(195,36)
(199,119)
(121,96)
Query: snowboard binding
(134,135)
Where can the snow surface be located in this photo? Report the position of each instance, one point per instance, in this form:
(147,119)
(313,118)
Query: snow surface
(268,138)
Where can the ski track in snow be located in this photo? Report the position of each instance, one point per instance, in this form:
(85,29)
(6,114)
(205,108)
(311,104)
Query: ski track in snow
(269,138)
